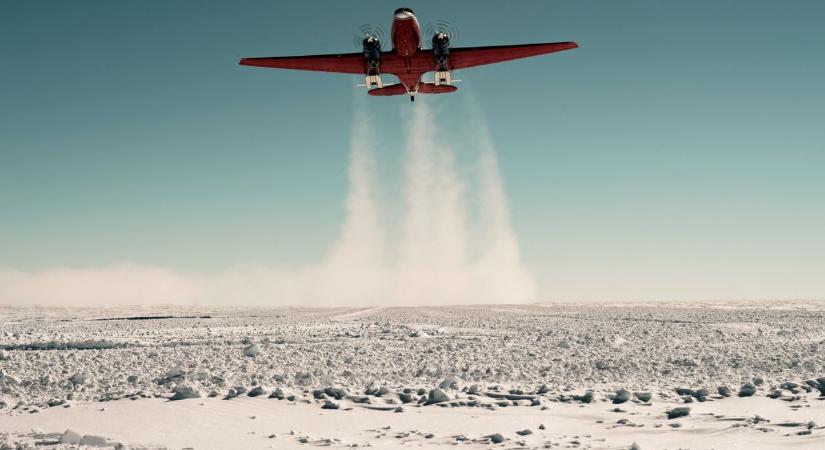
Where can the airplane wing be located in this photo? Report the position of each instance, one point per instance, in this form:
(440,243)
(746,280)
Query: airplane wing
(461,58)
(343,63)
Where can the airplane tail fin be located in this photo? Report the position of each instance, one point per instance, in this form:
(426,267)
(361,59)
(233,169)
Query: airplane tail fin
(423,88)
(392,89)
(432,88)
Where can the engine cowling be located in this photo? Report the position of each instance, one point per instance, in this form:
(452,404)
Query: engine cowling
(372,53)
(441,57)
(372,60)
(441,51)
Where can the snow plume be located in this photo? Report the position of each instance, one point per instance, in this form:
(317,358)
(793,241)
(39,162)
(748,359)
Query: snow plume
(353,272)
(433,260)
(501,274)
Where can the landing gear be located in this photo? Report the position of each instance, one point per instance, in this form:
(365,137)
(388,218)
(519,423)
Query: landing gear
(373,81)
(443,77)
(412,98)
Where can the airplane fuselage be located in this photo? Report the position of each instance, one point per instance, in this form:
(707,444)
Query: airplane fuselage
(406,42)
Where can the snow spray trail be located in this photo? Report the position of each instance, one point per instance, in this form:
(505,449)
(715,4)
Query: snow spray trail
(437,264)
(500,272)
(433,263)
(353,272)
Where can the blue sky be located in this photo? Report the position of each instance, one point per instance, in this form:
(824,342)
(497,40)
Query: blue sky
(679,153)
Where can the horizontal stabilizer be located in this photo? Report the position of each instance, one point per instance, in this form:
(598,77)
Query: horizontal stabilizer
(393,89)
(432,88)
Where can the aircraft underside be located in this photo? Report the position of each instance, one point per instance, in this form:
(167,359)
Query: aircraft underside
(408,60)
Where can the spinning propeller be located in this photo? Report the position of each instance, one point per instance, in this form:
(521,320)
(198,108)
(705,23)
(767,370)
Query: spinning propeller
(441,27)
(368,31)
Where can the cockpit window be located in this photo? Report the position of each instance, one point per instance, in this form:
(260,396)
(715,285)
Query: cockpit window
(402,10)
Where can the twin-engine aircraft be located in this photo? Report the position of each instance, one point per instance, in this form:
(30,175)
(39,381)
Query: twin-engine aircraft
(408,60)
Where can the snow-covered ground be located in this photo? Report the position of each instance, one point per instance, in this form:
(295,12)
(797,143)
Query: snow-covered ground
(708,375)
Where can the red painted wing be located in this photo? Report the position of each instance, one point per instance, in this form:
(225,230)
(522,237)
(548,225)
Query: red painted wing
(461,58)
(344,63)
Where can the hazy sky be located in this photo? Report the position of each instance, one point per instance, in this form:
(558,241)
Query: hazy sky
(679,153)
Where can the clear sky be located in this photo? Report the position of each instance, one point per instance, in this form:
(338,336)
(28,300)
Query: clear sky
(679,153)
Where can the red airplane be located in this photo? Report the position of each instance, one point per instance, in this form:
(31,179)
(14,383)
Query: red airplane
(408,60)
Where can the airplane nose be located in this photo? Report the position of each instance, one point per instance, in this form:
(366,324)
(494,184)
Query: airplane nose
(403,15)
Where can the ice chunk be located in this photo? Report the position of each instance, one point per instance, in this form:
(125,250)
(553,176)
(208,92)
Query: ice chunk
(251,350)
(183,392)
(70,437)
(437,396)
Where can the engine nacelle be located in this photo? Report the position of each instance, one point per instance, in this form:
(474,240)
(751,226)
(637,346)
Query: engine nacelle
(372,54)
(372,58)
(441,50)
(441,55)
(441,44)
